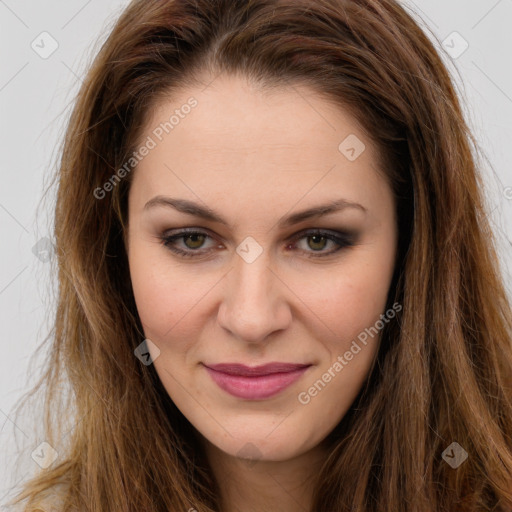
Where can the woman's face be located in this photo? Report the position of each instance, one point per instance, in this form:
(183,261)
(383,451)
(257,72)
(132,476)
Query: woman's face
(260,282)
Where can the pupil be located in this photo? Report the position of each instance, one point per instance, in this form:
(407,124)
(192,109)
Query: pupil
(317,239)
(195,239)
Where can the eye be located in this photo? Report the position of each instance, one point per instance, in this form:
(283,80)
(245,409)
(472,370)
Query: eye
(192,241)
(316,240)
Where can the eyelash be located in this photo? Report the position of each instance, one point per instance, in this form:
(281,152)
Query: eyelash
(343,240)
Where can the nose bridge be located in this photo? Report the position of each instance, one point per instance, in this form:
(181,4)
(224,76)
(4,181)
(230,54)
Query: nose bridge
(253,305)
(251,280)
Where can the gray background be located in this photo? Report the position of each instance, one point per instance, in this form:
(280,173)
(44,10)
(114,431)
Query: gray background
(36,94)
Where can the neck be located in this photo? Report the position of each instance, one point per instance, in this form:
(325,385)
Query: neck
(256,485)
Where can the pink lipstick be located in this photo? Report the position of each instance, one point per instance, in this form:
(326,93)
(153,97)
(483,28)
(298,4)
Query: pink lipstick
(256,382)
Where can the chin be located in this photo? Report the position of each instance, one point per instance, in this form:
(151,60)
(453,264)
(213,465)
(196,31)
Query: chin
(261,443)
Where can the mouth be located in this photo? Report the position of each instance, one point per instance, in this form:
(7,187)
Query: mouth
(257,382)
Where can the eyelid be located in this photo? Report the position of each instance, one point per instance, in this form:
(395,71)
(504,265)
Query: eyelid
(346,234)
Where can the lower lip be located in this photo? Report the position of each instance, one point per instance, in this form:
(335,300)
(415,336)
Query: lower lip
(255,388)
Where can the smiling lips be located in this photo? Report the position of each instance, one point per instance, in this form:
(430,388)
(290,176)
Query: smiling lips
(257,382)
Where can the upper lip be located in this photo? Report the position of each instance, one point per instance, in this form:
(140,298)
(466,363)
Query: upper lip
(255,371)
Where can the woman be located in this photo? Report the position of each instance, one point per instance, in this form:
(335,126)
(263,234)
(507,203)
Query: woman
(278,287)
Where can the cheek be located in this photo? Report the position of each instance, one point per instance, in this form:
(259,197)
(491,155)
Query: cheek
(352,311)
(166,300)
(349,298)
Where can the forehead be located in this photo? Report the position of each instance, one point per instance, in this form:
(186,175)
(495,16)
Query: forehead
(237,133)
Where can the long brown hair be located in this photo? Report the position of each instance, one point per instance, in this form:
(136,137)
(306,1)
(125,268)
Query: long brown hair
(444,367)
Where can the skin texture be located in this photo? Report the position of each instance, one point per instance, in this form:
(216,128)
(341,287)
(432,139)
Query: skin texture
(256,157)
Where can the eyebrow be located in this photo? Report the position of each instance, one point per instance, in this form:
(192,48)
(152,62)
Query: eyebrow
(192,208)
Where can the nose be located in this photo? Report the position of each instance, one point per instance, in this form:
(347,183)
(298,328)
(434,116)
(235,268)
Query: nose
(254,301)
